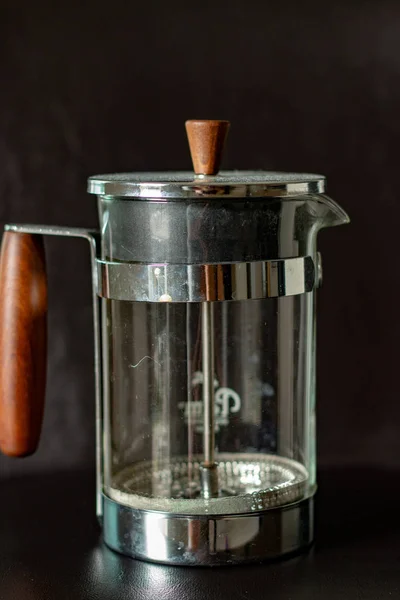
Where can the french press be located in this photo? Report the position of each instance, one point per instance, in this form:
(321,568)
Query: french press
(204,324)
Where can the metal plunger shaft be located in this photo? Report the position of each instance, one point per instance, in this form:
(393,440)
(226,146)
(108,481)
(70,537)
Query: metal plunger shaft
(209,471)
(206,141)
(207,330)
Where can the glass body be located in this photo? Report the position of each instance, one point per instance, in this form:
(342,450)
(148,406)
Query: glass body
(156,426)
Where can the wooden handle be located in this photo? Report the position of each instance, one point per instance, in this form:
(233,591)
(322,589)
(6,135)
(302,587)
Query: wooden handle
(23,342)
(206,142)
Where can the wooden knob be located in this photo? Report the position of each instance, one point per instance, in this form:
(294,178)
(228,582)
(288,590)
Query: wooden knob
(206,142)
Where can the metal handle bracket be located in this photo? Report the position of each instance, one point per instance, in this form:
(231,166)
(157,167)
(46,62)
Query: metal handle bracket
(93,237)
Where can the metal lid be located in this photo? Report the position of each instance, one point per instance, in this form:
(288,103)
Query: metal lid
(184,184)
(206,142)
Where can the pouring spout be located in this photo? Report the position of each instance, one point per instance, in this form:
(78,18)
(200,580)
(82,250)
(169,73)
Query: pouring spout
(328,212)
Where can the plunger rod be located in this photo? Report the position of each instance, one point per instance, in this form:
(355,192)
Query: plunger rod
(206,141)
(209,473)
(208,383)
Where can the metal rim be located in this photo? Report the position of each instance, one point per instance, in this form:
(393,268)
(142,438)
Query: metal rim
(184,185)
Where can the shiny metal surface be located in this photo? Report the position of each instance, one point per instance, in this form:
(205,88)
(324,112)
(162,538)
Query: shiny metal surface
(233,184)
(320,272)
(92,237)
(248,482)
(208,541)
(199,283)
(207,339)
(213,231)
(209,485)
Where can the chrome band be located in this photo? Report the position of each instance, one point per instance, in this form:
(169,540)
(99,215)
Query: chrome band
(207,541)
(205,283)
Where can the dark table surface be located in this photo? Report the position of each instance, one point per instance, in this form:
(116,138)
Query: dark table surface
(51,548)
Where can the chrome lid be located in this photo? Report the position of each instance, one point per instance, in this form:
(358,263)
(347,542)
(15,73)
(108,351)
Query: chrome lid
(184,184)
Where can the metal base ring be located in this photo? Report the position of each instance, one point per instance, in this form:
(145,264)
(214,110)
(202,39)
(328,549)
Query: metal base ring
(208,540)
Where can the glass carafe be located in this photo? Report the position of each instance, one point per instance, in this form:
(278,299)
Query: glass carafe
(204,290)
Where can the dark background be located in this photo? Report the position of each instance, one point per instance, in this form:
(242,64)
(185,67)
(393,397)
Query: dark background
(94,87)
